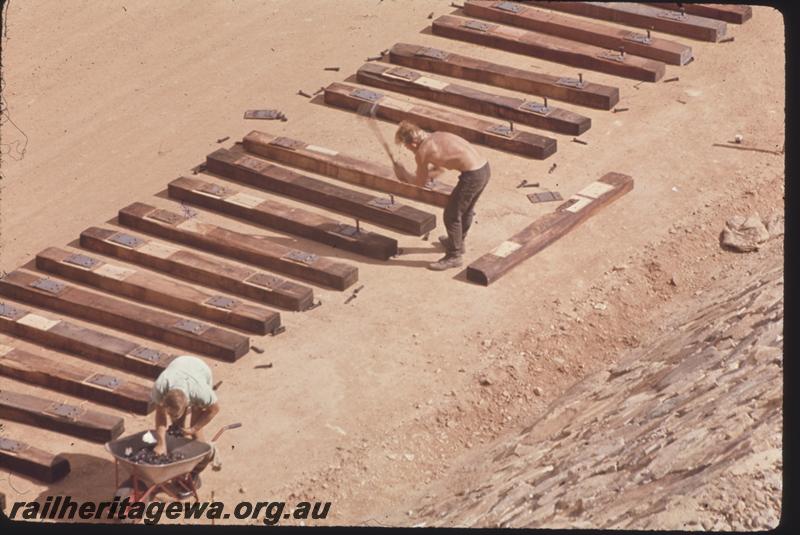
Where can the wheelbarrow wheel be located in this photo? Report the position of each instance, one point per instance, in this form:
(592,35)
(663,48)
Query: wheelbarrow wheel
(126,490)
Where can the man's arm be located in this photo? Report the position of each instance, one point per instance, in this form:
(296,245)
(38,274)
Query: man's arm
(435,172)
(161,431)
(201,417)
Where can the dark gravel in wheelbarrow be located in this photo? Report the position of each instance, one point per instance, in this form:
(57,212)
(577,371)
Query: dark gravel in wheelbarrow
(148,456)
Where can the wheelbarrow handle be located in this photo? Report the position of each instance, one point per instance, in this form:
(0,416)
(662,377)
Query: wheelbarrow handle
(225,428)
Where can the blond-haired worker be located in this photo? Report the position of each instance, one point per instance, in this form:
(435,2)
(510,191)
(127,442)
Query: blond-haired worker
(435,153)
(184,386)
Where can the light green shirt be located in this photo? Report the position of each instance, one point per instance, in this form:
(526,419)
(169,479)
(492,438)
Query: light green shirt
(189,374)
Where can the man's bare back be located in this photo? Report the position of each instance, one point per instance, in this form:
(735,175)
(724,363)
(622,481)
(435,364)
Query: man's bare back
(448,151)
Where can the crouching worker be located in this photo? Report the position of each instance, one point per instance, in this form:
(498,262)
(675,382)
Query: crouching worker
(185,386)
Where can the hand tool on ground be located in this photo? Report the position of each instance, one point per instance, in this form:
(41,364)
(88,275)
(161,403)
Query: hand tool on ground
(526,184)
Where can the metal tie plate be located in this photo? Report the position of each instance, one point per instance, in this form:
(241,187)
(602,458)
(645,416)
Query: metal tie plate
(347,230)
(509,6)
(220,301)
(12,313)
(672,15)
(638,38)
(366,94)
(64,410)
(48,285)
(433,53)
(287,143)
(145,353)
(265,281)
(614,56)
(535,107)
(13,446)
(191,326)
(477,25)
(126,240)
(263,114)
(501,130)
(106,381)
(212,189)
(545,196)
(301,256)
(385,204)
(81,260)
(170,218)
(571,82)
(401,72)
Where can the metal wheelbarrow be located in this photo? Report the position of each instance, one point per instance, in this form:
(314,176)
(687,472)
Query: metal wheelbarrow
(147,479)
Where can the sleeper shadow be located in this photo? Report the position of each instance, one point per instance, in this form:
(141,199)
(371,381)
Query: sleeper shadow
(91,479)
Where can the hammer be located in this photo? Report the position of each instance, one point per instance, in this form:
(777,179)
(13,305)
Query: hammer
(368,110)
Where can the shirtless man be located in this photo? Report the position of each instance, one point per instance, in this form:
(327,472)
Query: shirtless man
(436,153)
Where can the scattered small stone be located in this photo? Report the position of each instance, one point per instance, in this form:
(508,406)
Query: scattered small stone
(409,457)
(487,343)
(484,380)
(242,489)
(538,391)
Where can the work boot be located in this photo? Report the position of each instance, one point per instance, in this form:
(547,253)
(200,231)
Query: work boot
(446,262)
(444,241)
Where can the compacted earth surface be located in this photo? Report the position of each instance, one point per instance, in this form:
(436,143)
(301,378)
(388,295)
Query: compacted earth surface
(585,376)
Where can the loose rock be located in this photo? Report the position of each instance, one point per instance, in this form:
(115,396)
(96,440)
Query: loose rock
(744,235)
